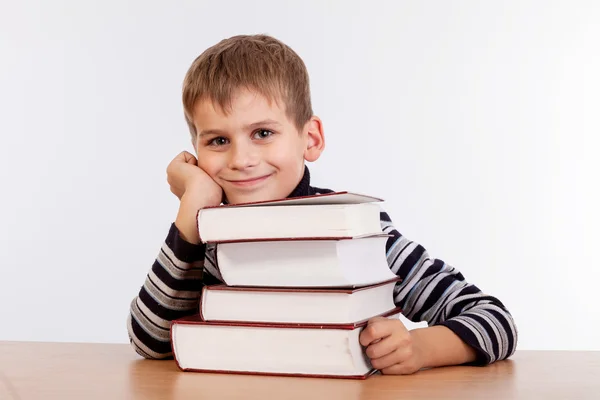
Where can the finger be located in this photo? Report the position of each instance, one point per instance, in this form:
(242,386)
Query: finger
(373,321)
(191,159)
(187,156)
(399,369)
(378,329)
(383,347)
(397,356)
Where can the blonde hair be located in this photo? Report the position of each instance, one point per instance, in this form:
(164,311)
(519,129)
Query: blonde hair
(259,63)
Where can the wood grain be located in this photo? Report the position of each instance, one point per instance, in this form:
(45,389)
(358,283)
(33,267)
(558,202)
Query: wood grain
(113,371)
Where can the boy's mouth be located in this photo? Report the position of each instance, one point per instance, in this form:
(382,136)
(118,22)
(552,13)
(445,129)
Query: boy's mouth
(249,181)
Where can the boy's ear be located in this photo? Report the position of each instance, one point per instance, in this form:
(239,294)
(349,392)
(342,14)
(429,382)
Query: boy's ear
(315,143)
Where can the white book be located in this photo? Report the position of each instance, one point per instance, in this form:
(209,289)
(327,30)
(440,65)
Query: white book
(296,305)
(336,215)
(305,263)
(331,350)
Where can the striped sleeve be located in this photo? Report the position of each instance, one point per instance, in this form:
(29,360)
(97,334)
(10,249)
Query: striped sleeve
(171,290)
(437,293)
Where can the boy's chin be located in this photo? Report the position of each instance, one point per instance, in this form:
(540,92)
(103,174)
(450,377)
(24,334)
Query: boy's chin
(239,198)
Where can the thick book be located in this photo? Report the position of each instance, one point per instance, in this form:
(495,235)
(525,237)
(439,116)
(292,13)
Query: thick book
(305,263)
(334,215)
(296,305)
(328,350)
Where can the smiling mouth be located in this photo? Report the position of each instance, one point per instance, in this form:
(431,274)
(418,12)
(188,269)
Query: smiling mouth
(249,182)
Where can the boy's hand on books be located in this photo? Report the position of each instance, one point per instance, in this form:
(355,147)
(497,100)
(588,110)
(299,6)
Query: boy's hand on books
(185,177)
(390,348)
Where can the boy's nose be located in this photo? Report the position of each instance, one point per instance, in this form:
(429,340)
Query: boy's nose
(242,157)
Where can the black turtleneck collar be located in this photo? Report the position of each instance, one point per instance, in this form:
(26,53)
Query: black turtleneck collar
(302,189)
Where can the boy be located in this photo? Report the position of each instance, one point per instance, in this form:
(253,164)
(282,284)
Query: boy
(247,104)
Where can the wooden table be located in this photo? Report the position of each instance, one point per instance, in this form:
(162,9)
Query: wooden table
(113,371)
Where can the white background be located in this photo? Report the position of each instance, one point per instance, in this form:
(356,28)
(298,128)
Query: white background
(478,122)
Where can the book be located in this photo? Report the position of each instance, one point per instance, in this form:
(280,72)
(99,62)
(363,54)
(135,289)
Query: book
(334,215)
(305,263)
(328,350)
(296,305)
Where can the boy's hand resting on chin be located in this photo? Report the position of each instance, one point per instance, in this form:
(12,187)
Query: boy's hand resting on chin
(195,189)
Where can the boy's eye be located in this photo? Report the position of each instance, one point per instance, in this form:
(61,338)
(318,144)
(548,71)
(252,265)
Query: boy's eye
(218,141)
(262,134)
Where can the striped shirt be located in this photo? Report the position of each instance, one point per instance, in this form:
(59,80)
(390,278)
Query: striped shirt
(430,290)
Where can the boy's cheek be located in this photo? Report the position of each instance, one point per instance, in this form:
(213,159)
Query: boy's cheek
(209,163)
(285,157)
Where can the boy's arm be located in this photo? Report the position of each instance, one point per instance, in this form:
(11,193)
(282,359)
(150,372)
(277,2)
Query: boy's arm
(433,291)
(173,286)
(171,290)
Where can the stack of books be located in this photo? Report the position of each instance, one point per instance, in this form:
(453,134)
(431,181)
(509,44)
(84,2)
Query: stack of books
(301,277)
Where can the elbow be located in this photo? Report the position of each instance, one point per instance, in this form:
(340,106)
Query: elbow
(513,335)
(149,355)
(506,333)
(145,345)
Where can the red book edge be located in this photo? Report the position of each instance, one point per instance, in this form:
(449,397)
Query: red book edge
(289,199)
(193,320)
(324,289)
(196,319)
(296,238)
(296,375)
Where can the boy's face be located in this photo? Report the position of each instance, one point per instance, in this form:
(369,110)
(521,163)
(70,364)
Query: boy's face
(254,152)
